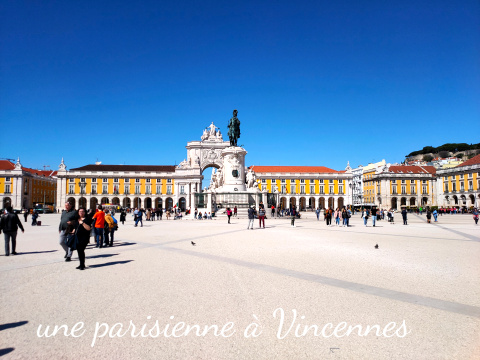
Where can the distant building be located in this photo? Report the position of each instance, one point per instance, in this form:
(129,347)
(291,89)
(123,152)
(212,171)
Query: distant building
(22,187)
(397,185)
(305,186)
(460,185)
(368,183)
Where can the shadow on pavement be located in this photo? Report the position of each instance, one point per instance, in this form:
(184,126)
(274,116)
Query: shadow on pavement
(6,351)
(110,263)
(36,252)
(100,256)
(12,325)
(123,244)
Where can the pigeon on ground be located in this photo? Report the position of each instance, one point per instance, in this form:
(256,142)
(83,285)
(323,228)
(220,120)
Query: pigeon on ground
(376,246)
(193,243)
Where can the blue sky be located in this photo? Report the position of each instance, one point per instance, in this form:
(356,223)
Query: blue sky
(314,82)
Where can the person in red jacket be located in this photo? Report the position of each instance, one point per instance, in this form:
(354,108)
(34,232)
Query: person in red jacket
(99,218)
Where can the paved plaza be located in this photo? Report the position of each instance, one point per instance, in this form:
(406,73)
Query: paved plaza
(424,276)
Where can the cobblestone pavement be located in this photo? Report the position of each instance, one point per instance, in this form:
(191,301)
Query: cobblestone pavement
(423,277)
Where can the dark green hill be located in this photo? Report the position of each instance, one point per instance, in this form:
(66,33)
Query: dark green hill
(451,147)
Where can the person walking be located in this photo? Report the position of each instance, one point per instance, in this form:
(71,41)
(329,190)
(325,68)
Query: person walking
(83,227)
(374,216)
(251,216)
(435,214)
(293,214)
(109,229)
(404,216)
(99,218)
(9,224)
(25,215)
(336,215)
(328,216)
(365,217)
(475,215)
(317,212)
(123,216)
(429,216)
(235,211)
(229,214)
(273,211)
(344,217)
(68,217)
(261,217)
(139,218)
(349,215)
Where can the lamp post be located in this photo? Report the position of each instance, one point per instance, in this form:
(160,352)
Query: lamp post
(350,185)
(82,191)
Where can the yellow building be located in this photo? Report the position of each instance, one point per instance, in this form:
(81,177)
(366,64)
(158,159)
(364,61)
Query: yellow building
(460,186)
(404,185)
(370,188)
(306,187)
(128,186)
(24,188)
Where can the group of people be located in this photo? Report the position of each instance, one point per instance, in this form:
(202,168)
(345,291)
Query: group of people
(260,214)
(150,214)
(76,227)
(198,215)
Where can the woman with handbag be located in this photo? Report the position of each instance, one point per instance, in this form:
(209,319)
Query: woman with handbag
(81,236)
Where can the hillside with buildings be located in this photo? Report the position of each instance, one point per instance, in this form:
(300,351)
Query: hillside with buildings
(462,151)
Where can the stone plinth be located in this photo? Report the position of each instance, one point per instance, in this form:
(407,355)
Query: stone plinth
(233,170)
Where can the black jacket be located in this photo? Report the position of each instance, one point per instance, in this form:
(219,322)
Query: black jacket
(10,223)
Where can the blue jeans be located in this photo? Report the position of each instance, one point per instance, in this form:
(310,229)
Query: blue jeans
(99,236)
(139,219)
(435,217)
(374,219)
(345,221)
(365,220)
(337,220)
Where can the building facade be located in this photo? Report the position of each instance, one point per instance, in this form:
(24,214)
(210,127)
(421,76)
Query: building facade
(369,190)
(23,188)
(460,186)
(402,185)
(306,187)
(357,186)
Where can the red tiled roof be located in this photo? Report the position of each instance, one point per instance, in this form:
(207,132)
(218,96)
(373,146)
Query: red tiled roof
(292,169)
(412,169)
(473,161)
(6,165)
(101,167)
(46,173)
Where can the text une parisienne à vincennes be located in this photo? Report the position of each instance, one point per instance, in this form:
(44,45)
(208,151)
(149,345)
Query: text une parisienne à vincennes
(287,326)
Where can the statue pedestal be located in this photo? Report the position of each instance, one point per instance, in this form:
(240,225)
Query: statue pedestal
(233,170)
